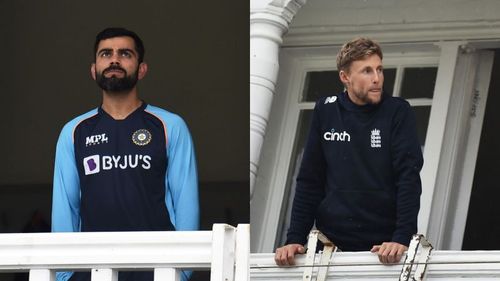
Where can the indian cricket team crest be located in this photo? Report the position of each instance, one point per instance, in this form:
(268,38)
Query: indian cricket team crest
(141,137)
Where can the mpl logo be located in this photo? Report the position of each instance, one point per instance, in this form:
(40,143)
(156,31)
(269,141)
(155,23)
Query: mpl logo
(96,139)
(91,164)
(337,136)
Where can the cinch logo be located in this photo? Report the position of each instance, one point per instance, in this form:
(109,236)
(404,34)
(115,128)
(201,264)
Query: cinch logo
(96,139)
(336,136)
(95,163)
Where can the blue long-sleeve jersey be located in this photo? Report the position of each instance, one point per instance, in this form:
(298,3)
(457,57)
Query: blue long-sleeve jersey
(359,178)
(125,175)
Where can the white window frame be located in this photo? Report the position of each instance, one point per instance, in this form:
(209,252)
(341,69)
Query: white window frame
(461,135)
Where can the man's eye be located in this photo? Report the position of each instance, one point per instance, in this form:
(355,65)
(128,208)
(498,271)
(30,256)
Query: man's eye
(126,54)
(105,54)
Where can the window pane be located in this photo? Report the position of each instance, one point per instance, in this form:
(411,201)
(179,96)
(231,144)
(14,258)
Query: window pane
(327,83)
(389,79)
(298,149)
(303,129)
(422,114)
(321,84)
(418,82)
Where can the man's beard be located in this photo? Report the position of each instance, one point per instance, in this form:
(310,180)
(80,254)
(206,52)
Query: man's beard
(114,84)
(365,97)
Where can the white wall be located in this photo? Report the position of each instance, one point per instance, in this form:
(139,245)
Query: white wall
(363,12)
(325,21)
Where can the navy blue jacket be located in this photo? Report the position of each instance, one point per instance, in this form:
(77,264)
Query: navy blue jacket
(359,178)
(135,174)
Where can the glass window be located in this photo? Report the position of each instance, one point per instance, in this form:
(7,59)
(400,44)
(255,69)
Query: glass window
(301,138)
(321,84)
(389,80)
(422,114)
(418,82)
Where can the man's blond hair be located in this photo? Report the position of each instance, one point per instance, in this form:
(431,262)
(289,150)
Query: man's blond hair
(356,49)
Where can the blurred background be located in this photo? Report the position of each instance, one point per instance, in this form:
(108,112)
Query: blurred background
(197,55)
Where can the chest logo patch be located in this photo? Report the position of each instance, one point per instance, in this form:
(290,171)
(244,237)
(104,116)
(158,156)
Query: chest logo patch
(376,139)
(91,164)
(331,99)
(141,137)
(96,139)
(333,135)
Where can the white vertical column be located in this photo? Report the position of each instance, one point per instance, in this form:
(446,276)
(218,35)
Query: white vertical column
(242,269)
(435,144)
(42,275)
(104,274)
(223,252)
(167,274)
(269,20)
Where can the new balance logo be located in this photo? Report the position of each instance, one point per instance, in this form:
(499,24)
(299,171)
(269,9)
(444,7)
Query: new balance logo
(96,139)
(331,99)
(376,139)
(337,136)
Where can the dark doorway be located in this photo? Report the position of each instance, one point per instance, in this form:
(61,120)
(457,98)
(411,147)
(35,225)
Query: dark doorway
(482,230)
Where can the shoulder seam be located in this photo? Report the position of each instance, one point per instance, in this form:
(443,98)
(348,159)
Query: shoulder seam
(79,122)
(162,122)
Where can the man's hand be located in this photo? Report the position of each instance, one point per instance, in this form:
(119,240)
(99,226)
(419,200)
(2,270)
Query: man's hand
(286,254)
(389,252)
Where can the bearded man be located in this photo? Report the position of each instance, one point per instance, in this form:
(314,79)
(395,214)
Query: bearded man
(126,165)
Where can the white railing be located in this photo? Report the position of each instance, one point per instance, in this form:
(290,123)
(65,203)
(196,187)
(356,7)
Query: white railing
(224,250)
(442,266)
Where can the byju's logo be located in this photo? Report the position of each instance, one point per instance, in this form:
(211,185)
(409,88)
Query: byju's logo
(96,139)
(96,163)
(91,164)
(337,136)
(376,139)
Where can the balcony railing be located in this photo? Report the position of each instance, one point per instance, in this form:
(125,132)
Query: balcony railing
(442,266)
(224,250)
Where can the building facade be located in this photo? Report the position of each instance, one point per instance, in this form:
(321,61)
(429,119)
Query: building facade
(442,56)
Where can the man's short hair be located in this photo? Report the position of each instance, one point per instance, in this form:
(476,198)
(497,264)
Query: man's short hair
(356,49)
(113,32)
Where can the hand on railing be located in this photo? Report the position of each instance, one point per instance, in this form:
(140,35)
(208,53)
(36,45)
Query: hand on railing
(286,254)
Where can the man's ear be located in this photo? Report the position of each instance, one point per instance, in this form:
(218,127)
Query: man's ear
(344,77)
(143,69)
(92,71)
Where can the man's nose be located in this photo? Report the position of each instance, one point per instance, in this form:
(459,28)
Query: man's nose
(115,58)
(376,77)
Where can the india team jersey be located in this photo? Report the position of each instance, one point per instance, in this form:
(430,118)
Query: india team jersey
(134,174)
